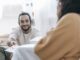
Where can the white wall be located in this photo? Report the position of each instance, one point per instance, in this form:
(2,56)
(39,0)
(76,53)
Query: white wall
(45,14)
(9,18)
(9,10)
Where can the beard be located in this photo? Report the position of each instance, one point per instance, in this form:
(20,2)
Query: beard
(26,29)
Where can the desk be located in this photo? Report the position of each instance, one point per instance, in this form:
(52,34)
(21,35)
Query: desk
(24,52)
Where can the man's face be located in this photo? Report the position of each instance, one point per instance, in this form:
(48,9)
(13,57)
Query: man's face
(24,22)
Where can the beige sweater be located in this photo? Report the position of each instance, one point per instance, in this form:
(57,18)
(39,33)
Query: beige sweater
(63,42)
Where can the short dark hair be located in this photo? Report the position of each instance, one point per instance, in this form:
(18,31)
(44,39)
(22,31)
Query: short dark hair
(69,6)
(24,13)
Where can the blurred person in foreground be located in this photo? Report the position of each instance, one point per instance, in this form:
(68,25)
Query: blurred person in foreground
(25,32)
(61,43)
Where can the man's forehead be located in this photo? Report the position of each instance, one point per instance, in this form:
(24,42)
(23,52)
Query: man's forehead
(24,17)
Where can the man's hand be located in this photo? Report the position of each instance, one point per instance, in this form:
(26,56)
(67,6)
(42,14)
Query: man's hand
(11,43)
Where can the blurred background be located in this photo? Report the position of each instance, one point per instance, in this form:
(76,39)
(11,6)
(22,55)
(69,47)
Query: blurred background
(43,12)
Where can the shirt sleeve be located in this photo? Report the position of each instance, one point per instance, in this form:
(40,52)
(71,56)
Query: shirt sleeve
(59,42)
(13,35)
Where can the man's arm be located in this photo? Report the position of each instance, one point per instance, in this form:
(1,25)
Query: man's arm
(12,40)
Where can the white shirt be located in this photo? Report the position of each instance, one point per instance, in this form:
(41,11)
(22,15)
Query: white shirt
(22,38)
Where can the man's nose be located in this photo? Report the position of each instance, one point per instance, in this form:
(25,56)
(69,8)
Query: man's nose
(25,23)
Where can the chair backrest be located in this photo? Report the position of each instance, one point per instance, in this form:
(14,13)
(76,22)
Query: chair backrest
(2,57)
(2,53)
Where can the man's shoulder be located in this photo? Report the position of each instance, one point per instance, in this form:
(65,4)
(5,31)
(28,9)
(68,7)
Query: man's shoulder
(34,29)
(16,30)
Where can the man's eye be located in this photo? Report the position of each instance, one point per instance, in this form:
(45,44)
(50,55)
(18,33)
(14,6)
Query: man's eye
(27,20)
(22,21)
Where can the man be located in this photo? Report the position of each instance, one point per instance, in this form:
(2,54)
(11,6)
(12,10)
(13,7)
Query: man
(24,33)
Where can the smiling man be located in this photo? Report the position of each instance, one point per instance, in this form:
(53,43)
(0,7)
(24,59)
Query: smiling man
(25,32)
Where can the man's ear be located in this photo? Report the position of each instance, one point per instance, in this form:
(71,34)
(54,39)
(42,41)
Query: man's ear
(18,22)
(32,22)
